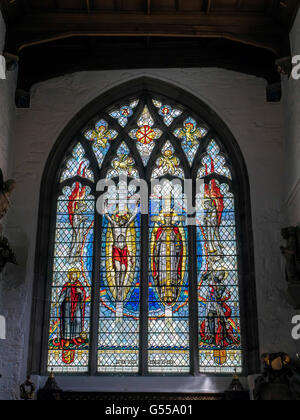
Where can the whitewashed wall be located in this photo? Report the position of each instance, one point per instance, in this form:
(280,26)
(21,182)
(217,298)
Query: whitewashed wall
(292,134)
(8,363)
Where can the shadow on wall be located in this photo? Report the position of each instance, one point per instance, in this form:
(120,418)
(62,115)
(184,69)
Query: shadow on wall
(15,275)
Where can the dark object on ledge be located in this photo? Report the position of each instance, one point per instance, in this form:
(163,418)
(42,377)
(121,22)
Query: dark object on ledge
(51,391)
(27,390)
(292,256)
(236,391)
(276,382)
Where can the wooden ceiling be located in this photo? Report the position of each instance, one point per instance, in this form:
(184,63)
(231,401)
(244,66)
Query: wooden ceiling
(41,27)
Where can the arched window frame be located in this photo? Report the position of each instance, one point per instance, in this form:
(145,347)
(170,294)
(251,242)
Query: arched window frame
(51,188)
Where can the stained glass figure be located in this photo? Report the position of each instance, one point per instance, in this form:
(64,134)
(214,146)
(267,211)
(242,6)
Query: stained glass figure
(78,165)
(213,162)
(168,163)
(124,113)
(218,287)
(123,164)
(167,112)
(120,284)
(168,283)
(190,134)
(119,250)
(71,284)
(145,135)
(101,137)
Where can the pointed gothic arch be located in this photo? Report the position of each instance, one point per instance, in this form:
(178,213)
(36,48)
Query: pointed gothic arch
(188,109)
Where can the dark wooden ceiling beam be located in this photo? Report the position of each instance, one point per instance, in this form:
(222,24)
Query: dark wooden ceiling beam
(260,31)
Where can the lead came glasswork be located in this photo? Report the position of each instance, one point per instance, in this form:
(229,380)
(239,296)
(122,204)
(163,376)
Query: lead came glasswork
(167,112)
(145,135)
(190,134)
(118,348)
(168,283)
(69,334)
(101,137)
(123,164)
(139,149)
(124,113)
(218,290)
(214,163)
(78,165)
(168,163)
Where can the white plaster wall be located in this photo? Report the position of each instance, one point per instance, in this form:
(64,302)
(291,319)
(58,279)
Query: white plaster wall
(258,127)
(292,129)
(7,107)
(7,120)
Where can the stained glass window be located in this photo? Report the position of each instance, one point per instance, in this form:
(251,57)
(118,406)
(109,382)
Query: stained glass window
(118,349)
(69,335)
(145,135)
(168,342)
(145,293)
(168,163)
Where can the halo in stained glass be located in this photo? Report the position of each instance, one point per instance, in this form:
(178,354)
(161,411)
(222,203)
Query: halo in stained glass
(168,163)
(101,136)
(123,164)
(124,113)
(167,112)
(213,162)
(190,134)
(145,135)
(78,165)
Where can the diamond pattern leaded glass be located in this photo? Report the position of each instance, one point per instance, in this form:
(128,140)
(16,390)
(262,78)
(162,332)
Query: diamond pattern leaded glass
(145,135)
(167,112)
(69,334)
(78,165)
(130,252)
(218,287)
(213,162)
(101,136)
(168,163)
(124,113)
(123,164)
(118,346)
(190,134)
(168,341)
